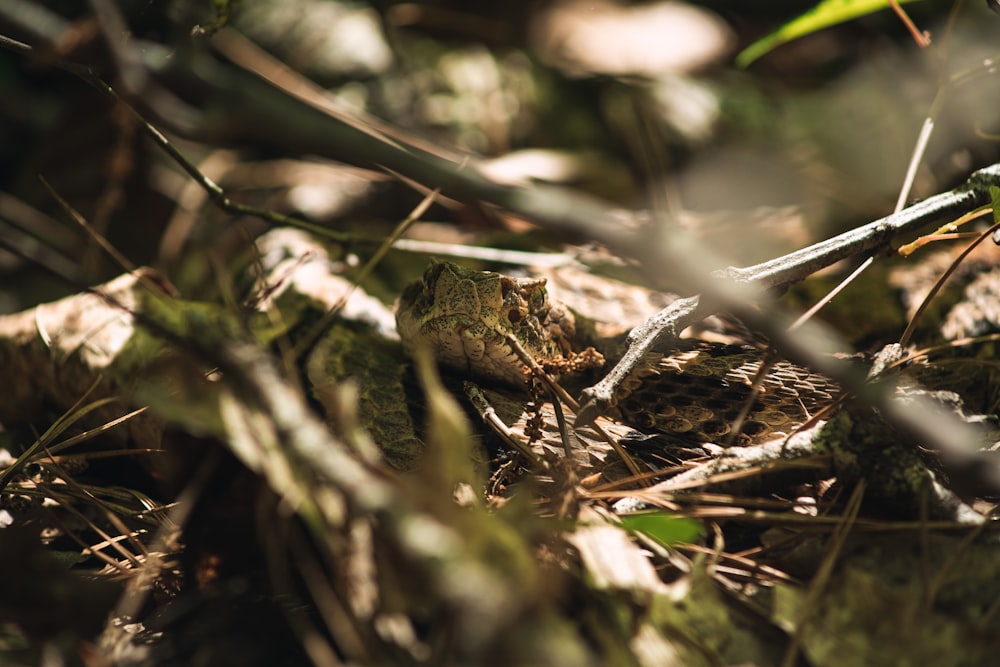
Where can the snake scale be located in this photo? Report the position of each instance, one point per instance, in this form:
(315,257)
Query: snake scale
(695,391)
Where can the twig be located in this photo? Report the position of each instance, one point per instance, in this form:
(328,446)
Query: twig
(241,106)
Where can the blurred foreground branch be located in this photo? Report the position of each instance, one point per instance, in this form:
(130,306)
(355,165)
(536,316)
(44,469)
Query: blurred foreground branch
(201,92)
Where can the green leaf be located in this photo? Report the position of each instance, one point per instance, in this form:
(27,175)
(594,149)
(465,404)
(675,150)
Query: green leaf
(666,528)
(823,15)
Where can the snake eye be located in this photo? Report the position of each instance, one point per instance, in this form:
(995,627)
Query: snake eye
(538,302)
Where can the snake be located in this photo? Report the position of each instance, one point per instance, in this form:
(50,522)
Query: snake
(696,390)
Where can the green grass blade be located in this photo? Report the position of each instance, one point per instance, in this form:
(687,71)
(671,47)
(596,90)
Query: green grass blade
(825,14)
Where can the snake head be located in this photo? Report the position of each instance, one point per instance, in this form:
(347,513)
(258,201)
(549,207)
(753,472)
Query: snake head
(465,316)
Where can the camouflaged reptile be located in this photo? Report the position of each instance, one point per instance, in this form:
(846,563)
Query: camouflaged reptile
(695,391)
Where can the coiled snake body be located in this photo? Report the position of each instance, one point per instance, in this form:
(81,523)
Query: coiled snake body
(695,391)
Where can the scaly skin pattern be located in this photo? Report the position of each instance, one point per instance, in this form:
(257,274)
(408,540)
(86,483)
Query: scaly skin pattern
(464,317)
(698,391)
(695,391)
